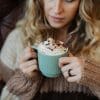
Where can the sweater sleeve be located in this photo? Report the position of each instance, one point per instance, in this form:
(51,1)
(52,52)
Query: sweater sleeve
(23,86)
(5,72)
(91,73)
(19,83)
(8,51)
(9,54)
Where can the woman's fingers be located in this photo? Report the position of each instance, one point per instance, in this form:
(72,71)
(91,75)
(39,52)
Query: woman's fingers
(66,60)
(71,68)
(31,69)
(28,63)
(29,66)
(28,53)
(65,74)
(76,71)
(74,78)
(72,74)
(65,70)
(67,67)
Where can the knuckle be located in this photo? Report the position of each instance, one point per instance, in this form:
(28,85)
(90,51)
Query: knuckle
(35,67)
(35,61)
(22,69)
(21,57)
(34,55)
(29,54)
(28,48)
(65,74)
(21,66)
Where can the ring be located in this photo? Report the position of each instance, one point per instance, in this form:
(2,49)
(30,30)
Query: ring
(69,73)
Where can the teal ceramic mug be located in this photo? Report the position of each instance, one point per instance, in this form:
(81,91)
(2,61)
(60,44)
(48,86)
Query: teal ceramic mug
(48,65)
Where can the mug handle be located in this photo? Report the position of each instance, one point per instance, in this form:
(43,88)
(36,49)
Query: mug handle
(34,47)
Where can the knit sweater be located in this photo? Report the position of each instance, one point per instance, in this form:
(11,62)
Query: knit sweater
(25,88)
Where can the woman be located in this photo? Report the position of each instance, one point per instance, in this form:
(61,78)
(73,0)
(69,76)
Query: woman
(76,24)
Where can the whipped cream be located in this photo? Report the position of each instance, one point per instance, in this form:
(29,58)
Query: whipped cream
(52,47)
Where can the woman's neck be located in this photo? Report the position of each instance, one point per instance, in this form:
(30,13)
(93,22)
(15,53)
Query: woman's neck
(61,35)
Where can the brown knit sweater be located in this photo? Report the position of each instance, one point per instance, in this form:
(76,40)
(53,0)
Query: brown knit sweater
(5,72)
(26,88)
(91,76)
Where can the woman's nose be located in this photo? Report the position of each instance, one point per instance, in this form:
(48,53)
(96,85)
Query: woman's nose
(58,7)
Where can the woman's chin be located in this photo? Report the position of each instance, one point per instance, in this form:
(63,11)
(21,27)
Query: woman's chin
(57,26)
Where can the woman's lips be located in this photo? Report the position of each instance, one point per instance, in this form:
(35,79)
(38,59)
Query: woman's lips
(57,19)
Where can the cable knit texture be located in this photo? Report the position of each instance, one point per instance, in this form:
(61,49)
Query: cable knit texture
(25,88)
(91,76)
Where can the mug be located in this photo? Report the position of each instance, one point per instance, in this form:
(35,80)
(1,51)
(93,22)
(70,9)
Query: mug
(48,64)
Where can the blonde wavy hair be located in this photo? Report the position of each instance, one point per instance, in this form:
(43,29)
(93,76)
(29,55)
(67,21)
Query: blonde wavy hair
(91,15)
(85,25)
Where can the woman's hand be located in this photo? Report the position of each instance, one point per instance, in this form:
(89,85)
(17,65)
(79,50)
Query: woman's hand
(28,61)
(72,68)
